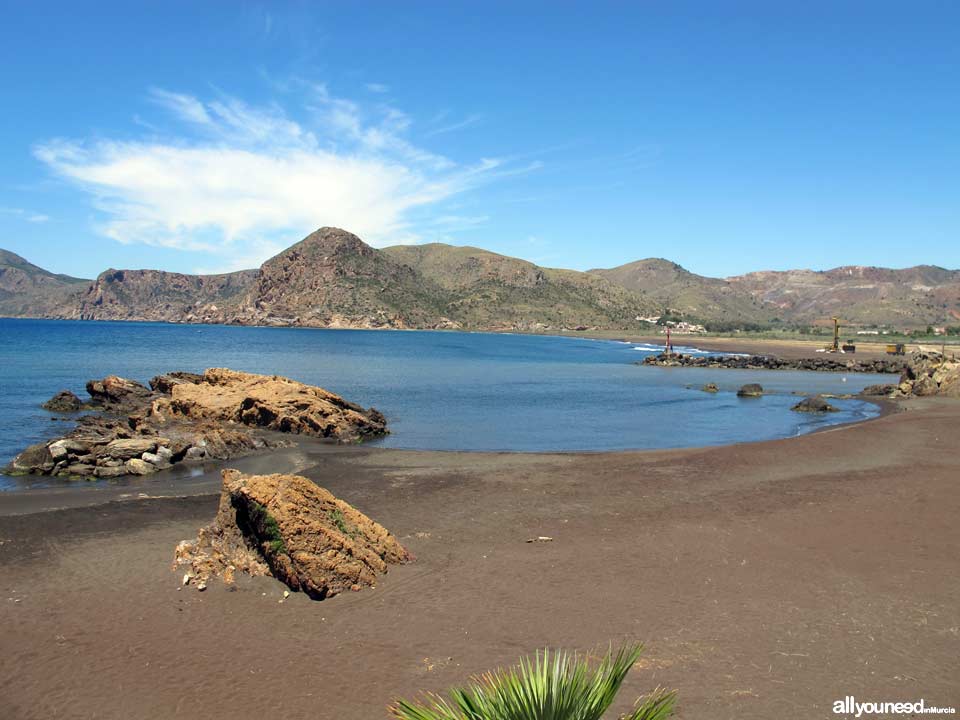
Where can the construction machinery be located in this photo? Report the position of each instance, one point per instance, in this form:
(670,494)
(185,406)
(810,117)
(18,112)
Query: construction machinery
(847,347)
(896,349)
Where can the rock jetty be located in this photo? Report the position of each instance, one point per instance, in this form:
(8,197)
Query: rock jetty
(288,527)
(768,362)
(930,373)
(188,417)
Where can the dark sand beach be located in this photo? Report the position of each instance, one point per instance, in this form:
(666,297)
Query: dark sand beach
(767,579)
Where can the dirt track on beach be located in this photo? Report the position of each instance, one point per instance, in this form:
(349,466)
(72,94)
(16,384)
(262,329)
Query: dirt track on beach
(768,580)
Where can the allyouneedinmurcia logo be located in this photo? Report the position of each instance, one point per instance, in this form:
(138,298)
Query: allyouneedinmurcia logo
(849,706)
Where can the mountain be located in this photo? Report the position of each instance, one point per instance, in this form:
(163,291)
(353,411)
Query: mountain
(331,278)
(913,296)
(28,290)
(487,290)
(698,297)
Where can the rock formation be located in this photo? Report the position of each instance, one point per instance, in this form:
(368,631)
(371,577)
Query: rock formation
(184,417)
(930,373)
(271,402)
(63,401)
(290,528)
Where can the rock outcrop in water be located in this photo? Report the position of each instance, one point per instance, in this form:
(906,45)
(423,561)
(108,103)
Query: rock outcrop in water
(750,390)
(930,373)
(288,527)
(814,404)
(768,362)
(186,417)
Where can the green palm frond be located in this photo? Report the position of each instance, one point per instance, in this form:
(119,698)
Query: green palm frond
(551,686)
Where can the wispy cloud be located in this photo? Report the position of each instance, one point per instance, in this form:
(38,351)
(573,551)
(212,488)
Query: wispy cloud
(241,181)
(28,215)
(377,87)
(452,127)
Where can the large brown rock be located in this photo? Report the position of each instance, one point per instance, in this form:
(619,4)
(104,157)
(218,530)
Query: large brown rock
(115,392)
(288,527)
(272,402)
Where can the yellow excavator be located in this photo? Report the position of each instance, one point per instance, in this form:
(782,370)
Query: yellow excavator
(847,347)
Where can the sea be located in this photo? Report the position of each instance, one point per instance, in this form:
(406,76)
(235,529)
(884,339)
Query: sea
(439,390)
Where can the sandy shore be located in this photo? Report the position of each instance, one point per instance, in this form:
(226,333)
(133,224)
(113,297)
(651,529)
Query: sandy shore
(768,580)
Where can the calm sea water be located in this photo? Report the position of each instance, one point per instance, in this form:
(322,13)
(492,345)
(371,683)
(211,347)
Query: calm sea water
(439,390)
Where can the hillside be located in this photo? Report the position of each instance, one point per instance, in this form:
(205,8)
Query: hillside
(913,296)
(28,290)
(698,297)
(487,290)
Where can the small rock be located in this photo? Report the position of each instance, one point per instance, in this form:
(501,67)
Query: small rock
(155,460)
(195,453)
(136,466)
(201,586)
(127,448)
(58,451)
(710,388)
(186,578)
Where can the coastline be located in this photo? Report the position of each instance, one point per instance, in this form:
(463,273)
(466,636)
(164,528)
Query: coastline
(768,579)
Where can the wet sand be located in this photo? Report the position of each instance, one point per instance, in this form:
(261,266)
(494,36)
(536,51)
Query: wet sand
(767,579)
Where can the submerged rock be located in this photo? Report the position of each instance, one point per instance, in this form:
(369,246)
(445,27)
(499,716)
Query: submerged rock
(711,388)
(750,390)
(288,527)
(814,404)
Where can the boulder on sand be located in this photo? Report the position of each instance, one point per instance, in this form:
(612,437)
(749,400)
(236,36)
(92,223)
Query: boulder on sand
(750,390)
(814,404)
(288,527)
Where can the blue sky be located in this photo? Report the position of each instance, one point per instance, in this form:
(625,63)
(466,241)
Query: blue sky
(728,137)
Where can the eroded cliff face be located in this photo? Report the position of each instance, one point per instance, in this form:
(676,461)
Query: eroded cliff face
(166,297)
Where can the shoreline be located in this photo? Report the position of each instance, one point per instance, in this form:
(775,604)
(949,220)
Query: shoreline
(205,480)
(768,579)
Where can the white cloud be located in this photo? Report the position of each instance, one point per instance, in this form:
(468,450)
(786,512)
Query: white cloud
(377,87)
(246,181)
